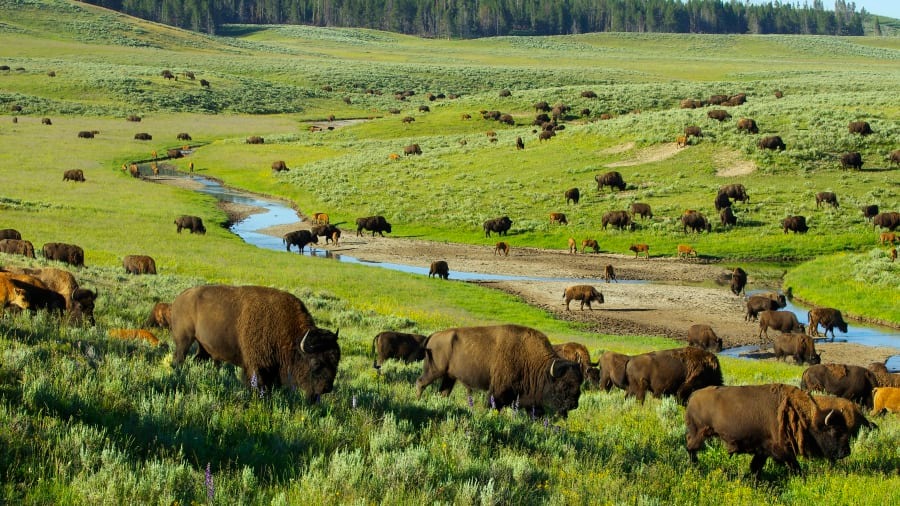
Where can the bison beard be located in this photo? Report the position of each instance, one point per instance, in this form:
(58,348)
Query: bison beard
(267,332)
(515,364)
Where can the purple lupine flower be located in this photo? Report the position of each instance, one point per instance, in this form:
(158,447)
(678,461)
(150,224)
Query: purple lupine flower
(533,415)
(471,402)
(254,381)
(515,406)
(546,422)
(493,403)
(210,488)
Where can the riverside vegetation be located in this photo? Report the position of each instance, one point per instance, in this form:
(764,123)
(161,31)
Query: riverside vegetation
(89,419)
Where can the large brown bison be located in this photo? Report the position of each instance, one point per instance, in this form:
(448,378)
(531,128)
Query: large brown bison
(718,115)
(300,238)
(869,211)
(372,224)
(62,252)
(696,222)
(139,264)
(85,134)
(192,223)
(499,225)
(722,201)
(618,219)
(747,125)
(677,372)
(578,353)
(412,149)
(693,131)
(829,318)
(799,346)
(884,377)
(772,142)
(851,160)
(860,127)
(10,233)
(704,337)
(143,136)
(573,194)
(785,422)
(889,220)
(851,382)
(735,192)
(160,316)
(440,269)
(515,364)
(328,231)
(738,280)
(17,247)
(73,175)
(782,321)
(584,293)
(727,217)
(279,166)
(759,303)
(826,198)
(398,345)
(639,208)
(267,332)
(612,370)
(796,224)
(612,179)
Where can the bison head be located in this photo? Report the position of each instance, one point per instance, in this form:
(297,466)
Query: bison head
(830,435)
(315,363)
(83,305)
(563,386)
(593,376)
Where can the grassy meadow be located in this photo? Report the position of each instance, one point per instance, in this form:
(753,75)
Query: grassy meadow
(86,419)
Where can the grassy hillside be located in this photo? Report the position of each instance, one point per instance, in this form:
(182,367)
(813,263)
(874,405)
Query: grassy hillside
(88,419)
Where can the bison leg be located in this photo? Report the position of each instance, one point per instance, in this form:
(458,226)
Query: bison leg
(756,465)
(447,384)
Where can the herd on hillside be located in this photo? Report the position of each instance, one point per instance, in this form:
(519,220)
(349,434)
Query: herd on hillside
(517,366)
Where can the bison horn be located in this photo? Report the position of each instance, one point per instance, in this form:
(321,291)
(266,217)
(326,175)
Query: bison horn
(552,366)
(829,416)
(303,341)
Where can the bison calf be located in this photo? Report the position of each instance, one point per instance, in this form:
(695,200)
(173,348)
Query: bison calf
(885,398)
(440,269)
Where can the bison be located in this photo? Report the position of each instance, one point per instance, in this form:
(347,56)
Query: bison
(139,264)
(827,198)
(578,353)
(860,127)
(17,247)
(37,295)
(696,222)
(183,136)
(747,125)
(501,248)
(828,318)
(677,372)
(440,269)
(693,131)
(618,219)
(851,160)
(612,179)
(772,142)
(328,231)
(685,250)
(73,175)
(11,294)
(68,253)
(738,280)
(253,139)
(520,144)
(160,316)
(85,134)
(10,233)
(279,166)
(372,224)
(143,136)
(882,376)
(759,303)
(703,337)
(412,149)
(515,364)
(722,201)
(640,248)
(885,398)
(855,418)
(499,225)
(799,346)
(79,302)
(727,217)
(638,208)
(735,192)
(267,332)
(558,218)
(852,382)
(192,223)
(584,293)
(398,345)
(889,220)
(869,211)
(589,243)
(612,370)
(718,115)
(609,274)
(783,321)
(134,334)
(785,422)
(796,224)
(572,194)
(300,238)
(546,135)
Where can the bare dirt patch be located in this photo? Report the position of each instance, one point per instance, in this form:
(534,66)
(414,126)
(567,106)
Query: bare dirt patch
(731,164)
(652,154)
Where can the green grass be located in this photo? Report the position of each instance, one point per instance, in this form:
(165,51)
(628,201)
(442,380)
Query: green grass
(88,419)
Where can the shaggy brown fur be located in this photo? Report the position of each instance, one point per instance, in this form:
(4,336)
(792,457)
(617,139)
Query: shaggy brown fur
(584,293)
(17,247)
(160,316)
(139,264)
(612,370)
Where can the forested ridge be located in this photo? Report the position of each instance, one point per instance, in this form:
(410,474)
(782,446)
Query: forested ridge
(484,18)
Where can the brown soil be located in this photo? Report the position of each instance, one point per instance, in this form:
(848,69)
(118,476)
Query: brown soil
(684,292)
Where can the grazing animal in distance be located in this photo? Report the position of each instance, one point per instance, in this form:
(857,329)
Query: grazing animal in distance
(696,222)
(851,161)
(887,238)
(759,303)
(397,345)
(412,149)
(783,321)
(796,224)
(584,293)
(300,238)
(559,218)
(501,248)
(727,217)
(800,346)
(640,248)
(639,208)
(440,269)
(499,225)
(63,252)
(702,336)
(895,157)
(718,115)
(619,219)
(10,233)
(17,247)
(73,175)
(134,334)
(681,141)
(677,372)
(573,194)
(738,280)
(889,220)
(747,125)
(279,166)
(860,127)
(373,224)
(590,243)
(160,316)
(772,142)
(192,223)
(685,250)
(613,179)
(829,318)
(572,247)
(693,131)
(139,264)
(827,198)
(520,144)
(609,273)
(320,219)
(735,192)
(852,382)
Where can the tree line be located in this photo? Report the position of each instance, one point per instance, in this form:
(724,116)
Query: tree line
(485,18)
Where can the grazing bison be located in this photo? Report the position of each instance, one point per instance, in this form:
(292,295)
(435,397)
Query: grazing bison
(796,224)
(279,166)
(73,175)
(747,125)
(690,103)
(703,337)
(827,198)
(677,372)
(373,224)
(267,332)
(62,252)
(887,238)
(397,345)
(638,208)
(727,217)
(759,303)
(584,293)
(572,194)
(192,223)
(515,364)
(618,219)
(520,144)
(589,243)
(783,321)
(37,294)
(889,220)
(640,248)
(772,142)
(300,238)
(10,233)
(183,136)
(501,248)
(852,161)
(612,179)
(85,134)
(685,250)
(412,149)
(718,115)
(851,382)
(46,121)
(440,269)
(799,346)
(693,131)
(738,280)
(885,398)
(609,273)
(786,422)
(328,231)
(722,201)
(855,418)
(828,318)
(143,136)
(253,139)
(78,301)
(499,225)
(558,218)
(735,192)
(546,135)
(578,353)
(882,376)
(696,222)
(860,127)
(612,370)
(869,211)
(17,247)
(139,264)
(160,316)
